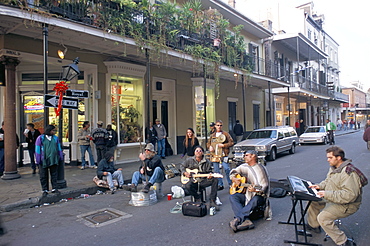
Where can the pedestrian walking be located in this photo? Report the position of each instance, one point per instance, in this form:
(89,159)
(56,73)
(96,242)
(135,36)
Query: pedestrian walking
(339,124)
(366,137)
(48,156)
(238,131)
(100,137)
(31,135)
(84,140)
(330,128)
(161,135)
(302,127)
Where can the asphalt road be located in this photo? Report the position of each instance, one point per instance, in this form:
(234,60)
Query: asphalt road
(59,224)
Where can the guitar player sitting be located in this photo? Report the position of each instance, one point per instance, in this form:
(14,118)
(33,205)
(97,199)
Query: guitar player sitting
(195,166)
(249,190)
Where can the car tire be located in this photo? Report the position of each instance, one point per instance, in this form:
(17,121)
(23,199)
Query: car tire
(325,142)
(292,149)
(272,155)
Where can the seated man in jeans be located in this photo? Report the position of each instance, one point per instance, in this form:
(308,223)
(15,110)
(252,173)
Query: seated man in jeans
(106,168)
(151,169)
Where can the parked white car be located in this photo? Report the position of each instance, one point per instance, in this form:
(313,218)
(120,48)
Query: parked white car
(314,134)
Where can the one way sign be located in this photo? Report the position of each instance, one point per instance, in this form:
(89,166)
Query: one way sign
(67,103)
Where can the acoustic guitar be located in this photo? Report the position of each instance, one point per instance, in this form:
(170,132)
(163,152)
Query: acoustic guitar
(194,174)
(243,186)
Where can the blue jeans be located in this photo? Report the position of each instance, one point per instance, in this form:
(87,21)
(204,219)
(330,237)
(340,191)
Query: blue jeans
(31,153)
(216,169)
(116,175)
(83,149)
(242,211)
(157,177)
(162,147)
(1,160)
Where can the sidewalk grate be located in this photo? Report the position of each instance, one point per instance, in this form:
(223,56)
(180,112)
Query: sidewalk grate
(103,217)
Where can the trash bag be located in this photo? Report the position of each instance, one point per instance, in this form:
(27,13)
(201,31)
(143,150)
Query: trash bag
(177,191)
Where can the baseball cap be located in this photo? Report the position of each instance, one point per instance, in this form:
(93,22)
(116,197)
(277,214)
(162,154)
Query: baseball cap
(150,147)
(252,152)
(212,124)
(100,123)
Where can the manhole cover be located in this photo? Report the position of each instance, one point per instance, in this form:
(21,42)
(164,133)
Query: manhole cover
(103,217)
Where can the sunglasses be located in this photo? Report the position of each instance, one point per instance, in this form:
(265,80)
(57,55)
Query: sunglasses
(218,125)
(198,150)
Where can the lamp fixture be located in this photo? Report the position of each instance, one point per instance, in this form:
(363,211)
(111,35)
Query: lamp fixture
(70,71)
(61,53)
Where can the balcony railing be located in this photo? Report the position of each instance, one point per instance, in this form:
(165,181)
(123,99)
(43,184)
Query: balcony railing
(130,21)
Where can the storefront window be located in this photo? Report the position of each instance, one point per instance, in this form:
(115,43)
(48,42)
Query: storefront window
(200,128)
(127,107)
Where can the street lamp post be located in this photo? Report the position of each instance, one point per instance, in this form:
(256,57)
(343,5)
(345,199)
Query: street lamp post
(69,72)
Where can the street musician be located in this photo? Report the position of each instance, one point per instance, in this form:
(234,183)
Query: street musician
(199,164)
(219,144)
(244,201)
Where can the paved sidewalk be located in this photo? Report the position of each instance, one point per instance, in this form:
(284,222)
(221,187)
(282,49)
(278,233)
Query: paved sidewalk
(25,192)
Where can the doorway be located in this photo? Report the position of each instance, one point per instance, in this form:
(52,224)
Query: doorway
(256,116)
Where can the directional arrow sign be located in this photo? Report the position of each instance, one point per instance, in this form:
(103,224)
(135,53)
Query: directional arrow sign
(77,93)
(68,102)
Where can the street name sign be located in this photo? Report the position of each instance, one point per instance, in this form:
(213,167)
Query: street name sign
(77,93)
(51,101)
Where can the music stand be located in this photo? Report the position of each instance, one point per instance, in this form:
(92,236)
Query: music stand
(296,199)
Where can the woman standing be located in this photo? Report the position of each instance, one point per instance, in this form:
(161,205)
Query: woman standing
(190,142)
(48,155)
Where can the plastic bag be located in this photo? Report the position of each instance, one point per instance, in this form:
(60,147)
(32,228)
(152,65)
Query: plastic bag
(177,191)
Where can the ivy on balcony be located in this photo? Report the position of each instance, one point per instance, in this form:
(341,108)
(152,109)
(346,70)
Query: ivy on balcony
(201,33)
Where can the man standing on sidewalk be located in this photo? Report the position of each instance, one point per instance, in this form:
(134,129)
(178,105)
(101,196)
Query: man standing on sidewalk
(330,128)
(100,137)
(84,138)
(161,135)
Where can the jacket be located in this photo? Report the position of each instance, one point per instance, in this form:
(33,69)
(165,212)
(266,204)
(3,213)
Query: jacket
(2,141)
(343,187)
(189,150)
(105,166)
(151,164)
(332,126)
(161,131)
(238,129)
(229,142)
(81,136)
(204,166)
(31,139)
(100,136)
(366,136)
(112,138)
(39,149)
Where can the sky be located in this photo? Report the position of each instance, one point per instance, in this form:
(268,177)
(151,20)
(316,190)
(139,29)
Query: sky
(345,22)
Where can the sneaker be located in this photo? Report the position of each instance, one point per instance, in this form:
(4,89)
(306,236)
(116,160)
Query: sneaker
(95,167)
(213,204)
(45,192)
(133,188)
(218,202)
(146,188)
(314,229)
(82,168)
(112,191)
(246,225)
(233,224)
(54,191)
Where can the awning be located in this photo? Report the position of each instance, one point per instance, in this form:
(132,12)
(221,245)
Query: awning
(299,44)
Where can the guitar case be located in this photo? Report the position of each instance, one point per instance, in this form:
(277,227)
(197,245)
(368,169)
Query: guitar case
(194,209)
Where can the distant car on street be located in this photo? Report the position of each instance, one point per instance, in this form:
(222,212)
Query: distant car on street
(314,134)
(268,142)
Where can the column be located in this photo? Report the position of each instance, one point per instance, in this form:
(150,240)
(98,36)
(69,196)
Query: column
(10,141)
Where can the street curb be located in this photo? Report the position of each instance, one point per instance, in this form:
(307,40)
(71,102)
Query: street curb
(50,198)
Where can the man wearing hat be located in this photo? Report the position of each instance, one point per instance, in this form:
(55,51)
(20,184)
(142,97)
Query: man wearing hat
(212,128)
(151,170)
(161,136)
(255,194)
(112,141)
(100,138)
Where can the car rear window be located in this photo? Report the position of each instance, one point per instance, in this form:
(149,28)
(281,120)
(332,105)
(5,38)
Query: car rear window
(262,134)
